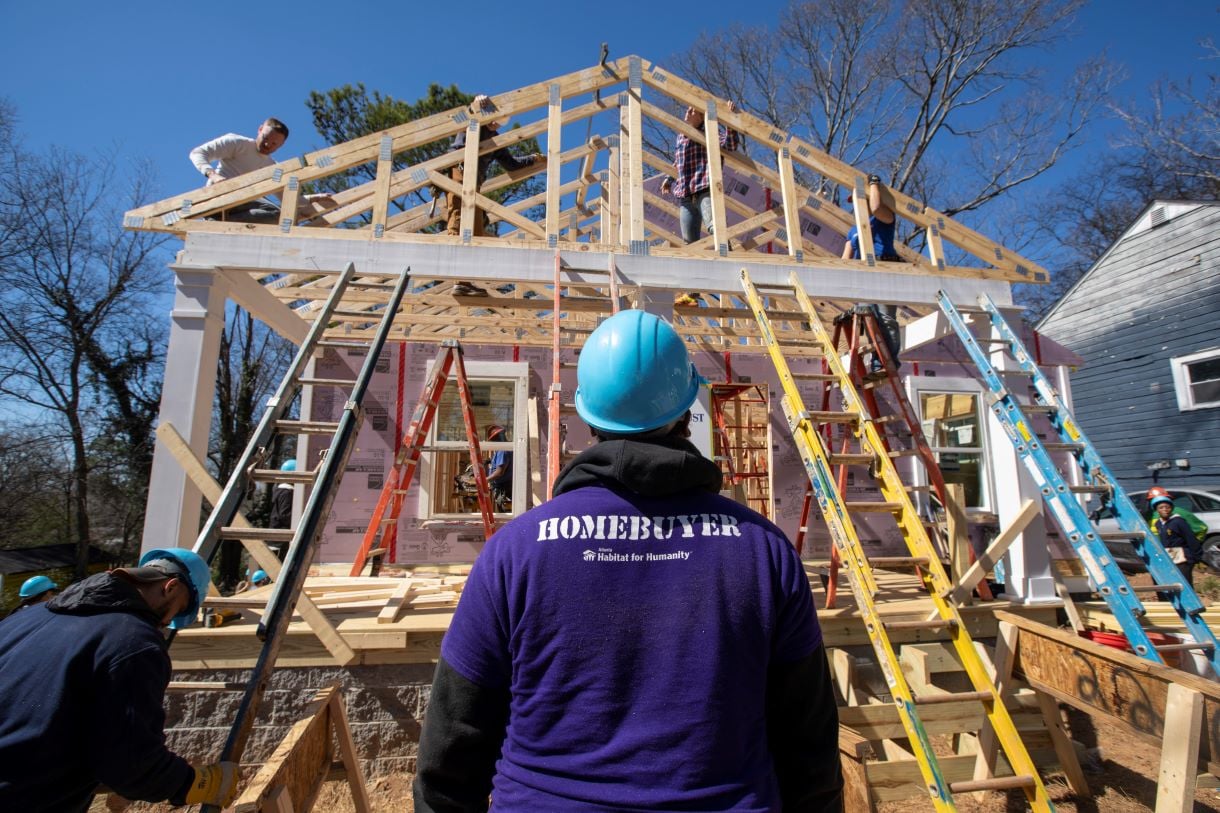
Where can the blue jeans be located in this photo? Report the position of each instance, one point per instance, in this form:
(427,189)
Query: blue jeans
(693,212)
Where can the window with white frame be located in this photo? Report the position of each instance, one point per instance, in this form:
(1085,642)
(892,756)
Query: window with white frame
(1196,379)
(953,425)
(498,397)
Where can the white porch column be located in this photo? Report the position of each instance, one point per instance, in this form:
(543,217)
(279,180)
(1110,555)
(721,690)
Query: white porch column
(1028,562)
(197,320)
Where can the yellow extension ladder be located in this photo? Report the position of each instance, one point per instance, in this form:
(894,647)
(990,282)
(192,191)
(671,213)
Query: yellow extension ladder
(924,559)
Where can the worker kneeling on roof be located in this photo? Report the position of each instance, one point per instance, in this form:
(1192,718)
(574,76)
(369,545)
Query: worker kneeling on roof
(83,678)
(638,641)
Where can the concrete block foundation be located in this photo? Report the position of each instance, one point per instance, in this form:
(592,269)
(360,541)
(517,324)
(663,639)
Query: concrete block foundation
(385,708)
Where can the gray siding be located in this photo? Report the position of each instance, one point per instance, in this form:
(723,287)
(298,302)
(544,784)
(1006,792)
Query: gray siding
(1154,297)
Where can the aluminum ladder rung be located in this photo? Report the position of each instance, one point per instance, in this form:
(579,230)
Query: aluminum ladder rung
(278,476)
(326,382)
(1118,536)
(294,427)
(371,315)
(264,534)
(343,345)
(1185,647)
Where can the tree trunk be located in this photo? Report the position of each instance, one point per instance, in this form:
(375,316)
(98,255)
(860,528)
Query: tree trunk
(80,498)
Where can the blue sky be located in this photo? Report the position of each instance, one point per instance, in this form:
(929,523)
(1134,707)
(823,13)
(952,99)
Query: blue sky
(160,78)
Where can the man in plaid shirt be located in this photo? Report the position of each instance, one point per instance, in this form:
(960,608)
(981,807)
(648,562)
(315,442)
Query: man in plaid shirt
(692,185)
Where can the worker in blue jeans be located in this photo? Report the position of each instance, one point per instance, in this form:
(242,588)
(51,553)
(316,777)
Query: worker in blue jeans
(882,223)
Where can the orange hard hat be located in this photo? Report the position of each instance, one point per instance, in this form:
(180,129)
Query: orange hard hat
(1157,491)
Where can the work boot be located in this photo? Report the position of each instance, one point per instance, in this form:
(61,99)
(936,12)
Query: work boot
(463,288)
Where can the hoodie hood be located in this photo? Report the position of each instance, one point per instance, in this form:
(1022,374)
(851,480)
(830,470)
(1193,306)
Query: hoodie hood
(652,468)
(102,593)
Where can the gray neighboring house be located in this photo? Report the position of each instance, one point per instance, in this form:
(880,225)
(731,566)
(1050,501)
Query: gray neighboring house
(1146,320)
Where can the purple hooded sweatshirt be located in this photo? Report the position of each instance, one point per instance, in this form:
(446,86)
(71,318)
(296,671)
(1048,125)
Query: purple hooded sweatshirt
(635,638)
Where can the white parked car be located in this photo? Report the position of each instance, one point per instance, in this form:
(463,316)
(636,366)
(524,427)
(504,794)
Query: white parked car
(1204,503)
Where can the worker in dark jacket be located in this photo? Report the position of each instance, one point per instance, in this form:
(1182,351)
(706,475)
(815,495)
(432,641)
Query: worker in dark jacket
(1177,538)
(83,678)
(638,642)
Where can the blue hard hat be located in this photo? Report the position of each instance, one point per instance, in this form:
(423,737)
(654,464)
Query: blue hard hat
(36,586)
(200,579)
(634,375)
(259,577)
(1158,500)
(288,465)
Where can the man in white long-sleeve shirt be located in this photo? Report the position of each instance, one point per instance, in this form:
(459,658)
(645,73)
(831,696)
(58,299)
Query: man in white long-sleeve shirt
(236,155)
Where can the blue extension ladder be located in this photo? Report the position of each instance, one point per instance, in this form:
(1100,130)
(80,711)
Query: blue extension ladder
(1106,576)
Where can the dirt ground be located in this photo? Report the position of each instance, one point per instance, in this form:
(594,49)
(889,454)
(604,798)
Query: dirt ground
(1122,779)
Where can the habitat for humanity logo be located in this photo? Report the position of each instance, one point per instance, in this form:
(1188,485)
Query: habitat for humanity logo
(611,555)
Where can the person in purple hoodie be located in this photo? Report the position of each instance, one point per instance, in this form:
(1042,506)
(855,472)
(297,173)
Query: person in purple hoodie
(638,642)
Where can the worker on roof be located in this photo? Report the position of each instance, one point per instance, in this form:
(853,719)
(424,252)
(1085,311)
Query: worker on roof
(232,155)
(638,641)
(502,156)
(83,677)
(1177,538)
(36,590)
(692,186)
(882,223)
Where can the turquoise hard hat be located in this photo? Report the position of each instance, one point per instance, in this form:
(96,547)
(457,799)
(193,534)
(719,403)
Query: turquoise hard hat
(1158,500)
(634,375)
(36,586)
(288,465)
(199,580)
(259,577)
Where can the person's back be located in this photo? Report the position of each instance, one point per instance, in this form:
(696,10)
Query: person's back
(66,669)
(638,642)
(641,630)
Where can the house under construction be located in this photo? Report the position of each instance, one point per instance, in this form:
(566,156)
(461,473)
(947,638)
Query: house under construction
(905,482)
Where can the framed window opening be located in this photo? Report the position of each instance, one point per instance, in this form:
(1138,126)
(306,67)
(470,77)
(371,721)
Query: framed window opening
(954,423)
(498,394)
(1196,380)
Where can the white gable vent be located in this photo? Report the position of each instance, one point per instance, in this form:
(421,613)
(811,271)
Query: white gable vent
(1158,216)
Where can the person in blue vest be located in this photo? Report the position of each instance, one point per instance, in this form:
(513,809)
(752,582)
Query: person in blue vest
(882,223)
(83,677)
(637,642)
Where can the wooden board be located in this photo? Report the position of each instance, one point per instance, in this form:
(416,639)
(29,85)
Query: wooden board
(300,762)
(1108,682)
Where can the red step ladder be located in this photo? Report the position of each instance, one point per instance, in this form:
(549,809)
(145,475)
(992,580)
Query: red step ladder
(384,522)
